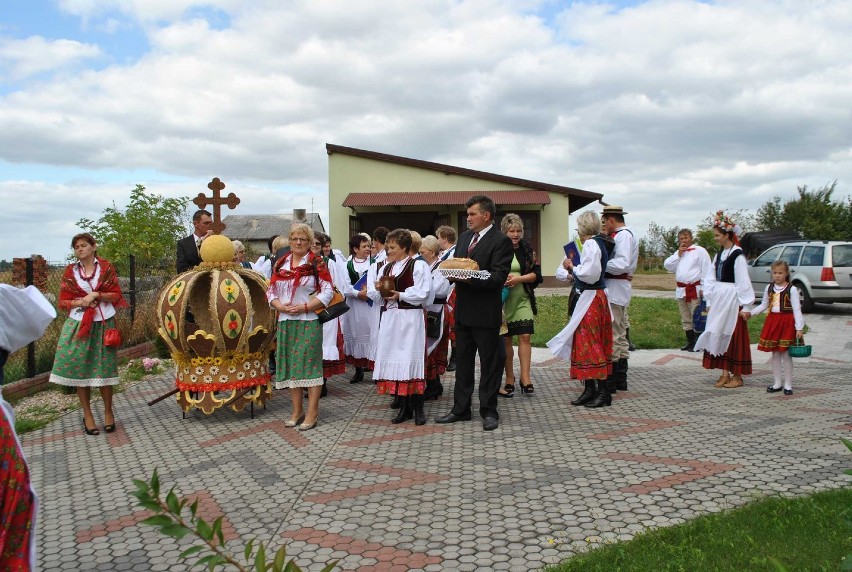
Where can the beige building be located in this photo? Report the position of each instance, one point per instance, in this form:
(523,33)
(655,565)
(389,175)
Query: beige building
(368,189)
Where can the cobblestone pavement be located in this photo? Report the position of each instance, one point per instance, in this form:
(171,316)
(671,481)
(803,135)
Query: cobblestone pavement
(552,481)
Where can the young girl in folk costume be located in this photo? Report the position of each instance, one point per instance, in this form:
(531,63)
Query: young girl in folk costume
(727,289)
(357,338)
(333,362)
(295,277)
(783,325)
(587,339)
(436,348)
(401,339)
(91,294)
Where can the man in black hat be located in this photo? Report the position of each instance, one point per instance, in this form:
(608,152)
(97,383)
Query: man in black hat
(619,274)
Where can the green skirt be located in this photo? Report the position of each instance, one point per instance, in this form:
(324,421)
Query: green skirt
(84,362)
(298,357)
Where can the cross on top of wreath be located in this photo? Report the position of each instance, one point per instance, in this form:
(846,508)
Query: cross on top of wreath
(231,201)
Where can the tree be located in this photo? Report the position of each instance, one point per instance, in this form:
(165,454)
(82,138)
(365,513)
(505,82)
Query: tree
(661,241)
(813,215)
(148,228)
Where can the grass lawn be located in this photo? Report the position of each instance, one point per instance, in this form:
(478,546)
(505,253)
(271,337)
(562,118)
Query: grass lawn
(654,322)
(807,533)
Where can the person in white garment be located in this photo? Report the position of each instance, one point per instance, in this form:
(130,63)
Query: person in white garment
(689,265)
(619,275)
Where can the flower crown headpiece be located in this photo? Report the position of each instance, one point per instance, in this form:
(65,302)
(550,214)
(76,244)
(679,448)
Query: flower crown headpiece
(723,222)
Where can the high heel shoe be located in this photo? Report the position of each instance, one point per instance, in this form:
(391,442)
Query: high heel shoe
(527,389)
(308,427)
(291,423)
(109,428)
(508,390)
(88,431)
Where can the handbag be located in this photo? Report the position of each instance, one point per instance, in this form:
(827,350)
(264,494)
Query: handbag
(433,324)
(699,317)
(335,308)
(112,336)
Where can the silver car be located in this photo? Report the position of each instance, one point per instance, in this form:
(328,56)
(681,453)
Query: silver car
(821,269)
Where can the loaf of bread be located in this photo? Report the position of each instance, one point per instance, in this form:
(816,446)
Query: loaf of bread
(459,264)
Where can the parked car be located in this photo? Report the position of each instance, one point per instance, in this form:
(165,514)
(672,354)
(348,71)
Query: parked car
(821,269)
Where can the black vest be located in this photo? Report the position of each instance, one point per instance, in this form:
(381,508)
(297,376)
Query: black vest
(600,284)
(726,272)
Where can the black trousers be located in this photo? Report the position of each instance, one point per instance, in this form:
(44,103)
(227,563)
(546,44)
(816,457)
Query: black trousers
(487,342)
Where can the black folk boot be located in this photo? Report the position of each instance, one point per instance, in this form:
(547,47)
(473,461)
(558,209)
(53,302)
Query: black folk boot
(416,403)
(359,375)
(404,413)
(451,364)
(324,390)
(621,376)
(397,401)
(690,341)
(588,393)
(602,398)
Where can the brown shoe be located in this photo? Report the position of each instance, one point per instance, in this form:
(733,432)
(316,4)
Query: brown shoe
(724,379)
(736,381)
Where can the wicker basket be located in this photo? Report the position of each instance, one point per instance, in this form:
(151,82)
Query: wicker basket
(799,350)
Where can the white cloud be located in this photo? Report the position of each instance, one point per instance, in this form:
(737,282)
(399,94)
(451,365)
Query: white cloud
(672,108)
(22,58)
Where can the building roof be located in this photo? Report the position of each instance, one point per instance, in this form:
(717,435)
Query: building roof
(444,198)
(261,227)
(578,197)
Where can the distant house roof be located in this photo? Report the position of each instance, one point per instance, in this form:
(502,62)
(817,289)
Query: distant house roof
(261,227)
(443,198)
(578,197)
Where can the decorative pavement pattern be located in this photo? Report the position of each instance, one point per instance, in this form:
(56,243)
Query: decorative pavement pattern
(552,481)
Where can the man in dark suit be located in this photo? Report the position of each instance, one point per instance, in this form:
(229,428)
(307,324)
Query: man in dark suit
(478,314)
(188,249)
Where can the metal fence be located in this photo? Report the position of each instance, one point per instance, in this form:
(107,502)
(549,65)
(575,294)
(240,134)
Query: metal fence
(141,285)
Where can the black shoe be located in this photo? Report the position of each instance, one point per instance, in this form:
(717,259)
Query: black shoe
(588,393)
(621,376)
(416,402)
(690,341)
(527,389)
(602,398)
(489,424)
(451,365)
(434,389)
(397,400)
(324,391)
(453,418)
(404,413)
(788,392)
(630,346)
(771,389)
(509,390)
(359,375)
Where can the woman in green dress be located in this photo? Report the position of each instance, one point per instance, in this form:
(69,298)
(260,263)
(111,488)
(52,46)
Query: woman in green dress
(90,292)
(519,308)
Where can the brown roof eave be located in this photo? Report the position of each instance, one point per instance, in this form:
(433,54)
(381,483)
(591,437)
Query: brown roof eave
(580,198)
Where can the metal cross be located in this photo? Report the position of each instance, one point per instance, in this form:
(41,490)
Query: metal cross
(231,201)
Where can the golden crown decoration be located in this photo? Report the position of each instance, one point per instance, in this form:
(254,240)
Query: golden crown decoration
(217,323)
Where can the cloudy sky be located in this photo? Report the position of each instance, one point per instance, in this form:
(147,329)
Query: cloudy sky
(673,108)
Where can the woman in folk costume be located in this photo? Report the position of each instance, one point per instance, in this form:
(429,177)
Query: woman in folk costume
(91,294)
(295,277)
(436,348)
(357,338)
(333,361)
(727,289)
(401,339)
(24,315)
(587,339)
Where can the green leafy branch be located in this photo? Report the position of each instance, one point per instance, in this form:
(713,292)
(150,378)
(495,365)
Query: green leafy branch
(169,518)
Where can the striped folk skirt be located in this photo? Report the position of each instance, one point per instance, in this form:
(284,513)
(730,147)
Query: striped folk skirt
(737,359)
(84,362)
